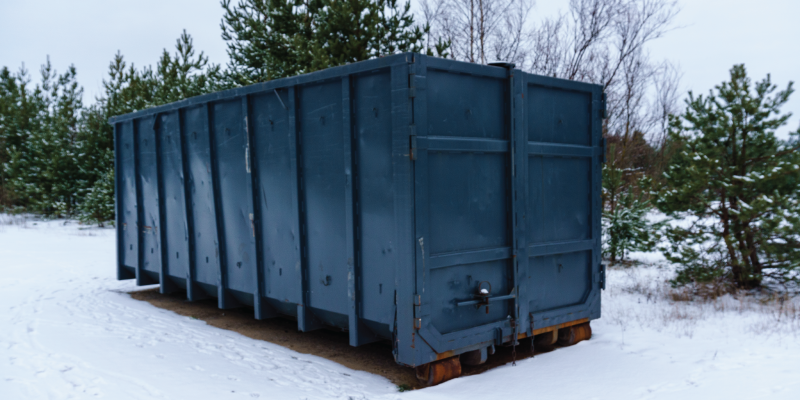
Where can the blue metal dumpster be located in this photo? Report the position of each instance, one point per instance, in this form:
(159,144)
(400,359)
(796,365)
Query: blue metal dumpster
(445,206)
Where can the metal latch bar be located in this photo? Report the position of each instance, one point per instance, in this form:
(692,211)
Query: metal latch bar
(486,301)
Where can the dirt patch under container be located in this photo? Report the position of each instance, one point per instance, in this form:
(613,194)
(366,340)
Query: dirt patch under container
(333,345)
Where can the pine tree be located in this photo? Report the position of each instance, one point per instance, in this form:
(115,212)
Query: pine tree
(738,185)
(41,169)
(57,154)
(625,224)
(98,204)
(181,75)
(270,39)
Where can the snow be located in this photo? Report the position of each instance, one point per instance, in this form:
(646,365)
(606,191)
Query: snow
(69,330)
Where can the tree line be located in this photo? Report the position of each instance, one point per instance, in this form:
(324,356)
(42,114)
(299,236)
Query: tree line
(714,163)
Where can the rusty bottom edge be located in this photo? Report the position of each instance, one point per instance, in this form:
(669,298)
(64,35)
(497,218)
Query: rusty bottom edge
(554,327)
(451,353)
(436,372)
(574,334)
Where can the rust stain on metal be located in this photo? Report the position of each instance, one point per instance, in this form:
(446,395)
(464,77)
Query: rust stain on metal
(574,334)
(546,339)
(440,371)
(560,326)
(446,354)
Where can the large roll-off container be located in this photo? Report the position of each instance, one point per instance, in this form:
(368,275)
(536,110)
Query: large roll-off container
(445,206)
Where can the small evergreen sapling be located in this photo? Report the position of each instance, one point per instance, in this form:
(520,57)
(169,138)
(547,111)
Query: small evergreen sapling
(625,224)
(98,204)
(175,77)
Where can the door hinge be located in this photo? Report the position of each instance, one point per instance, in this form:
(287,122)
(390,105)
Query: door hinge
(253,224)
(603,150)
(417,300)
(247,158)
(417,323)
(603,109)
(602,276)
(412,145)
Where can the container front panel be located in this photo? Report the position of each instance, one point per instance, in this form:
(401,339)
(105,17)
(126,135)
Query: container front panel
(235,201)
(320,115)
(203,216)
(273,141)
(127,207)
(148,185)
(173,195)
(373,126)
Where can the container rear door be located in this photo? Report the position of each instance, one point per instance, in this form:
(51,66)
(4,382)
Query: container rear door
(462,205)
(563,132)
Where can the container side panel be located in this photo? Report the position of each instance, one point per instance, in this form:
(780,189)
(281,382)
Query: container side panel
(230,141)
(127,197)
(560,203)
(373,124)
(174,223)
(466,106)
(559,280)
(202,196)
(468,201)
(459,283)
(559,116)
(280,230)
(148,181)
(324,185)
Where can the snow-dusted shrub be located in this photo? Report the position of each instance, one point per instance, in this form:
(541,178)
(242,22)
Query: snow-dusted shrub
(625,224)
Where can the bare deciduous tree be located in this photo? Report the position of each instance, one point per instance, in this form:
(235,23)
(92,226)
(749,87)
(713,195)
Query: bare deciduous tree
(480,31)
(598,41)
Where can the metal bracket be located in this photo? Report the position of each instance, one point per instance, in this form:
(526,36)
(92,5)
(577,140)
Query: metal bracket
(603,276)
(603,109)
(412,144)
(603,143)
(485,301)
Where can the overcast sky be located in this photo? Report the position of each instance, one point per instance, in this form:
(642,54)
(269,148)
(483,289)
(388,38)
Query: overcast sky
(714,35)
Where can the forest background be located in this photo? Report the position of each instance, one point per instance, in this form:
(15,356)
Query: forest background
(56,147)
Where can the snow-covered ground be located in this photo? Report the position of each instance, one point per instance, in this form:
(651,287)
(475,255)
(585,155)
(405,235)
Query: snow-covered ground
(69,330)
